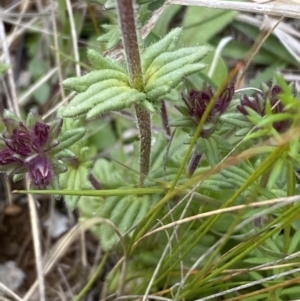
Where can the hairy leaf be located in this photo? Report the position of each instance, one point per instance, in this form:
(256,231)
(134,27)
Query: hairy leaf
(125,212)
(98,61)
(169,61)
(95,94)
(81,84)
(165,44)
(119,102)
(174,78)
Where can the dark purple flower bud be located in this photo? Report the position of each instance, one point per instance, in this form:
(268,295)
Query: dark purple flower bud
(20,141)
(40,171)
(96,184)
(224,100)
(6,157)
(41,134)
(197,101)
(194,162)
(252,104)
(258,104)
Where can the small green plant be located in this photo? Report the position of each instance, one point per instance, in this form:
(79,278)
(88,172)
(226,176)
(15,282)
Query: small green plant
(189,206)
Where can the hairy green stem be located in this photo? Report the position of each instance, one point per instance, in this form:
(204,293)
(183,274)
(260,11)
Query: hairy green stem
(133,60)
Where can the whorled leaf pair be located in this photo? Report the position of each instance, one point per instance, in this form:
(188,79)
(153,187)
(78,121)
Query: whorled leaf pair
(108,87)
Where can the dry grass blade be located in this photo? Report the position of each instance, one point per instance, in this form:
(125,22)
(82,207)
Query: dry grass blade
(13,91)
(277,9)
(9,292)
(278,203)
(37,245)
(263,280)
(63,244)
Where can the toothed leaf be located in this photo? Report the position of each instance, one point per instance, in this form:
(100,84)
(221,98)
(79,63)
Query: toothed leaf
(119,102)
(98,61)
(169,42)
(68,138)
(81,84)
(173,79)
(170,61)
(95,95)
(125,212)
(76,178)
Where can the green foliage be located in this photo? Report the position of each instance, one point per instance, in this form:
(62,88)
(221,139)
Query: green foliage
(217,230)
(200,24)
(108,89)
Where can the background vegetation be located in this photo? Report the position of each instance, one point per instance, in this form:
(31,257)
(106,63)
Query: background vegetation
(228,230)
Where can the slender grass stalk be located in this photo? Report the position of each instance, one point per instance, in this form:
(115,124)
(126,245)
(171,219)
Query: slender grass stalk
(290,192)
(130,43)
(94,278)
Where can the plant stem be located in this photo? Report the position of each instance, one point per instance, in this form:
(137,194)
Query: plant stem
(133,60)
(144,125)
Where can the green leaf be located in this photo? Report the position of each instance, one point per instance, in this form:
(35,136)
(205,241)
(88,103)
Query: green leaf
(32,118)
(70,137)
(167,43)
(212,151)
(125,213)
(238,51)
(220,71)
(200,24)
(81,84)
(116,103)
(76,178)
(235,119)
(162,25)
(157,93)
(108,175)
(98,61)
(94,95)
(295,242)
(174,78)
(276,172)
(112,36)
(182,122)
(167,62)
(272,44)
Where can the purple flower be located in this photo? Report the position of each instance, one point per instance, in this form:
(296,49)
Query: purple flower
(40,171)
(258,104)
(20,141)
(6,157)
(197,101)
(26,147)
(41,133)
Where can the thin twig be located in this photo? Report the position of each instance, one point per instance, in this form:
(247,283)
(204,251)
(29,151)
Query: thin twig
(74,38)
(36,244)
(56,47)
(13,90)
